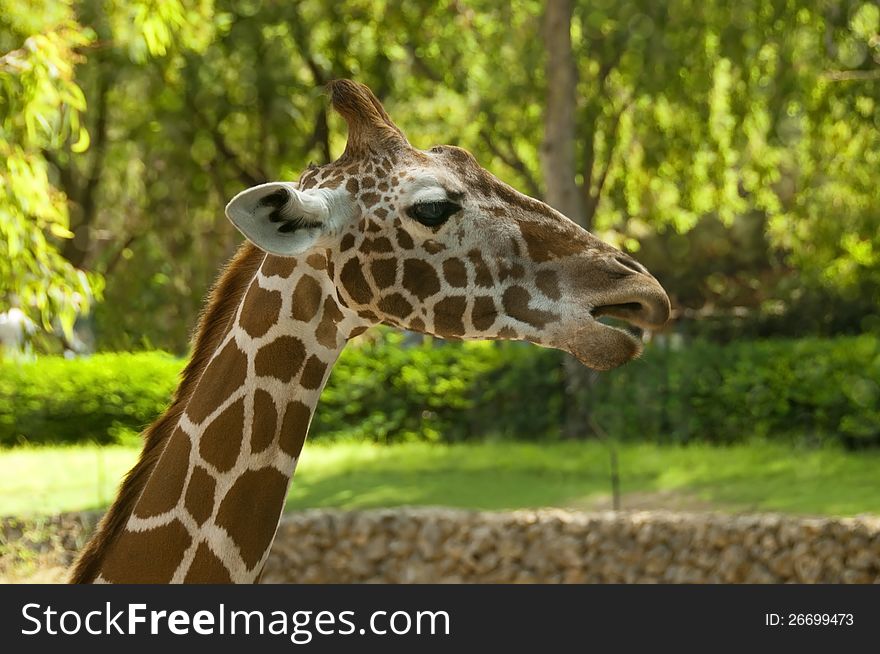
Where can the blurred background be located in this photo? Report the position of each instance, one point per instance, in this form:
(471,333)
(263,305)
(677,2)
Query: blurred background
(732,148)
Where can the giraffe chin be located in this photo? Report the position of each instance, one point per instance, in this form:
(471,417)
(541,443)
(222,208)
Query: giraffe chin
(602,347)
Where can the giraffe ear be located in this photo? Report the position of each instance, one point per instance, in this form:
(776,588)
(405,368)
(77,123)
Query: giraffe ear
(282,220)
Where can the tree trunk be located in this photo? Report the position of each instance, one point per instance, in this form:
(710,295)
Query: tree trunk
(559,167)
(560,127)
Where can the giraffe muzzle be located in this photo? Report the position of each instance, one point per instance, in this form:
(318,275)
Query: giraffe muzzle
(638,300)
(647,307)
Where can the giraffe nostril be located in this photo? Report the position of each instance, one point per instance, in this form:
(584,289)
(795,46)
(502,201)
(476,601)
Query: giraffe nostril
(630,266)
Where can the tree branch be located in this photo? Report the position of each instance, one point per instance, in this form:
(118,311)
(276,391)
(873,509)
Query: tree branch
(301,40)
(512,160)
(591,198)
(111,265)
(420,65)
(65,173)
(248,177)
(320,135)
(96,170)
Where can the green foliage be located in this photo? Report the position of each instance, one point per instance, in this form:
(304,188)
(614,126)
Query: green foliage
(810,389)
(76,400)
(440,392)
(690,113)
(379,392)
(45,124)
(40,108)
(814,390)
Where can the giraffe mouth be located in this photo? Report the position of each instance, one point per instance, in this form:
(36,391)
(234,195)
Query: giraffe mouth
(603,346)
(650,313)
(612,335)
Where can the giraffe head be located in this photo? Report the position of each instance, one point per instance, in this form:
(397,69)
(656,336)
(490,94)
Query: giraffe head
(430,241)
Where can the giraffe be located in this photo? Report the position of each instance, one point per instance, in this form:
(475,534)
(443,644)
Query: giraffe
(423,240)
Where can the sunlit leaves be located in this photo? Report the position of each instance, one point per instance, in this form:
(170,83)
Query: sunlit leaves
(150,28)
(42,117)
(40,105)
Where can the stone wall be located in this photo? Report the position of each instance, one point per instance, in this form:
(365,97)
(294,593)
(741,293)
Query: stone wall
(441,545)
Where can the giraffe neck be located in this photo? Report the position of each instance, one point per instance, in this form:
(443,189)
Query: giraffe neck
(212,504)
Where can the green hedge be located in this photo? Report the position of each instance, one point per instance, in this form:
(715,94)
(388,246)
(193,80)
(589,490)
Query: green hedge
(389,390)
(57,400)
(441,392)
(813,389)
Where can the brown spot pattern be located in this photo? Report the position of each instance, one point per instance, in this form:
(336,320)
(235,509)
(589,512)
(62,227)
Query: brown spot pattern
(206,568)
(260,310)
(162,491)
(313,373)
(514,245)
(378,245)
(449,315)
(515,271)
(221,441)
(265,421)
(404,239)
(384,272)
(516,304)
(281,266)
(545,242)
(484,312)
(395,305)
(326,332)
(294,427)
(355,283)
(199,500)
(161,546)
(433,247)
(420,278)
(317,261)
(547,282)
(223,376)
(369,199)
(306,299)
(282,358)
(346,243)
(249,512)
(455,273)
(483,276)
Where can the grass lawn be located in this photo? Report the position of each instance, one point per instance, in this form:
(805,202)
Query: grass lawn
(755,477)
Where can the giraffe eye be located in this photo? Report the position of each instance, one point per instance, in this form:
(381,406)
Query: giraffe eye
(434,213)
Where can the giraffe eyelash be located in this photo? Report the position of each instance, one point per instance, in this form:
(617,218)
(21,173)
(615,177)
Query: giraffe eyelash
(433,213)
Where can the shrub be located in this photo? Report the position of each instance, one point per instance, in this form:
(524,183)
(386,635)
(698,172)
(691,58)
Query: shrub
(387,390)
(821,389)
(440,391)
(95,398)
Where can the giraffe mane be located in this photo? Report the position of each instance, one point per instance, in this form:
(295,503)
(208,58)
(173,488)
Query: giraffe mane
(219,309)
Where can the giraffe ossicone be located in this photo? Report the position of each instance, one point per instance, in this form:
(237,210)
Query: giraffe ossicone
(424,240)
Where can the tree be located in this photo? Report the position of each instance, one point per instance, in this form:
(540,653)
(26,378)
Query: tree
(686,124)
(40,108)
